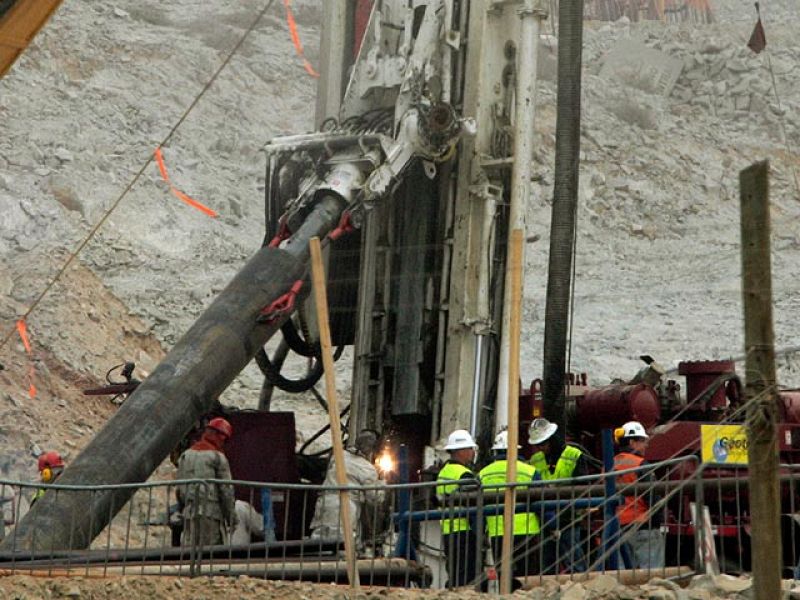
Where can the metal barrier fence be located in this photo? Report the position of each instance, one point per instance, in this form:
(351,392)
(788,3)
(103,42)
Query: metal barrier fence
(694,515)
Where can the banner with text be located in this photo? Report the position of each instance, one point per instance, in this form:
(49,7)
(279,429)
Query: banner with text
(724,444)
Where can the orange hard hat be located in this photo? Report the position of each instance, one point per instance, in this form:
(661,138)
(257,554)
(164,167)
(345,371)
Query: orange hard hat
(50,460)
(220,425)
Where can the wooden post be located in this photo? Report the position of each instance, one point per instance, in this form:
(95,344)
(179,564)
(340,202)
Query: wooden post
(515,277)
(760,376)
(321,301)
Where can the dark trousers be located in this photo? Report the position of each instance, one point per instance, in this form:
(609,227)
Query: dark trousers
(564,551)
(524,552)
(461,557)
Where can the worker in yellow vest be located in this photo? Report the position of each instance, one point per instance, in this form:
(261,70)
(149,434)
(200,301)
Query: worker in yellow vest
(459,541)
(554,460)
(526,524)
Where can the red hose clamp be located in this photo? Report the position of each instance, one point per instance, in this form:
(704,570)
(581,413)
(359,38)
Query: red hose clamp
(345,226)
(282,306)
(283,233)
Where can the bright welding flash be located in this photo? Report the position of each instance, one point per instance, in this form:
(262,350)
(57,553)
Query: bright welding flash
(386,462)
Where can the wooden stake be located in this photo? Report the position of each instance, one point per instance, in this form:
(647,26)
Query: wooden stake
(515,277)
(760,390)
(321,301)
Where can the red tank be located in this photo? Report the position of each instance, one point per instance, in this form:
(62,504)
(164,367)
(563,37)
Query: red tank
(700,375)
(790,405)
(613,405)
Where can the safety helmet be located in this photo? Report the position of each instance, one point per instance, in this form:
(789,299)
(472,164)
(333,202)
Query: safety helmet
(460,439)
(50,460)
(220,425)
(634,429)
(501,441)
(540,431)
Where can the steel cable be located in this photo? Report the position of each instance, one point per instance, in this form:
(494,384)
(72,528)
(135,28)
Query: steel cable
(139,173)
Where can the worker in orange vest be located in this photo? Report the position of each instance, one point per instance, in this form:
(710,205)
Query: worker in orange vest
(640,526)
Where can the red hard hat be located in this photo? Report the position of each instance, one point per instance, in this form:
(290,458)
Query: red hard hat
(50,460)
(221,425)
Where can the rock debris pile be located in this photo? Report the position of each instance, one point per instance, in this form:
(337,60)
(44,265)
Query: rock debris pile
(604,587)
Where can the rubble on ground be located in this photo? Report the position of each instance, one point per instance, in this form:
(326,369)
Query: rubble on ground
(603,587)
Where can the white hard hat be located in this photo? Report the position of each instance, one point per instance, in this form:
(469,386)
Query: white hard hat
(501,441)
(540,431)
(460,439)
(634,429)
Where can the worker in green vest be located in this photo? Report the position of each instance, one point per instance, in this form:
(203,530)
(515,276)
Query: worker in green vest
(556,461)
(459,541)
(526,524)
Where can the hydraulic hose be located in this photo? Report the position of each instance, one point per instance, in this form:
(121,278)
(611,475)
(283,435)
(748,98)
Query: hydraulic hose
(293,386)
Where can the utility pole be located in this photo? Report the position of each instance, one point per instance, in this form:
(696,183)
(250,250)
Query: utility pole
(321,302)
(514,276)
(760,390)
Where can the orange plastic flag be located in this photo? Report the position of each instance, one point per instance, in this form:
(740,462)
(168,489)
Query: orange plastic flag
(176,192)
(298,46)
(22,329)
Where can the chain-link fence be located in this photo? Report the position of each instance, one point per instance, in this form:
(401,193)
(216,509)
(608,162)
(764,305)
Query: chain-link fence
(664,519)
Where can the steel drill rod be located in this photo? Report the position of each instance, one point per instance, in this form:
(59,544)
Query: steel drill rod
(183,388)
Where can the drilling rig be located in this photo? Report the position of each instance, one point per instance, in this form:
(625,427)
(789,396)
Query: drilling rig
(419,169)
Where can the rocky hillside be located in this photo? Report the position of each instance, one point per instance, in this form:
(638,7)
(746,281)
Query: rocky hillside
(658,250)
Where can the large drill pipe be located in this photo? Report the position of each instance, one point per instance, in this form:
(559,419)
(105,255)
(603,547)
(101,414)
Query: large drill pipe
(565,208)
(165,407)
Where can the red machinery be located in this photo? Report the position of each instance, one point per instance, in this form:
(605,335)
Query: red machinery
(676,425)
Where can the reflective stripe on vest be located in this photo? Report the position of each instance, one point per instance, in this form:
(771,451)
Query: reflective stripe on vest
(494,474)
(451,471)
(565,466)
(633,509)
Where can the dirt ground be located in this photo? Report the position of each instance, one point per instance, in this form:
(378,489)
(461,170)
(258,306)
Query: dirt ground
(29,588)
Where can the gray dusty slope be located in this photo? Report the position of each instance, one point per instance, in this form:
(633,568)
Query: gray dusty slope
(658,252)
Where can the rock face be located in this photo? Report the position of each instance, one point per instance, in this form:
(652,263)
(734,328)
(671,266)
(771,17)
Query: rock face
(658,248)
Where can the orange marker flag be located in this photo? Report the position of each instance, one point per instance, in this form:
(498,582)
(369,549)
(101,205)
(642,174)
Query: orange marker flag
(175,191)
(22,329)
(298,46)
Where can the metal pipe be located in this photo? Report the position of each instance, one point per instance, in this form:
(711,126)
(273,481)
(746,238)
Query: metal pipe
(531,16)
(491,510)
(183,387)
(476,387)
(565,208)
(611,532)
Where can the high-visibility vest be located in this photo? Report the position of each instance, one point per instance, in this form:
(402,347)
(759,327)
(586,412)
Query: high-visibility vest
(451,471)
(38,495)
(565,466)
(494,474)
(633,509)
